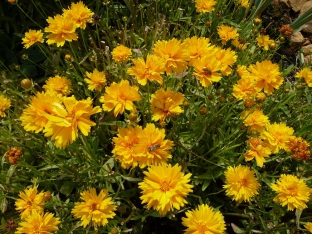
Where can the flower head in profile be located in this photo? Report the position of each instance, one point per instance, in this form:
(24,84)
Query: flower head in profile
(308,226)
(30,200)
(203,6)
(4,105)
(291,192)
(32,37)
(299,148)
(58,84)
(150,70)
(95,208)
(174,54)
(255,120)
(120,96)
(306,74)
(241,183)
(227,33)
(165,187)
(96,80)
(79,13)
(239,43)
(121,54)
(39,223)
(243,3)
(244,89)
(14,154)
(258,149)
(264,41)
(61,29)
(204,220)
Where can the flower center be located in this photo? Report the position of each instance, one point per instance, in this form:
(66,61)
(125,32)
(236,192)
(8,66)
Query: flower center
(207,71)
(201,228)
(164,186)
(292,190)
(94,207)
(243,182)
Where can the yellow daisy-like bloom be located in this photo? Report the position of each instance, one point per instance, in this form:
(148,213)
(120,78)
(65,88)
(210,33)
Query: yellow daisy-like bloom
(150,70)
(258,149)
(152,148)
(227,58)
(291,192)
(241,183)
(205,5)
(308,226)
(165,187)
(96,209)
(70,116)
(61,29)
(174,54)
(267,76)
(39,223)
(166,103)
(278,136)
(243,3)
(204,220)
(255,120)
(306,74)
(227,33)
(30,201)
(125,142)
(120,96)
(79,13)
(4,105)
(264,41)
(238,43)
(244,89)
(32,37)
(58,84)
(121,54)
(96,80)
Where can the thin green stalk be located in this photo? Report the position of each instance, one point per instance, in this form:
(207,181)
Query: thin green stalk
(28,16)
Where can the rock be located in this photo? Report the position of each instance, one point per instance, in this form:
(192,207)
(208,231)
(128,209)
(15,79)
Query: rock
(278,2)
(307,59)
(308,26)
(307,50)
(296,38)
(296,5)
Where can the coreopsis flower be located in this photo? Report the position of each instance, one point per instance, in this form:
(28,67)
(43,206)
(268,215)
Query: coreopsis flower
(32,37)
(39,223)
(306,74)
(121,54)
(58,84)
(244,89)
(255,120)
(227,33)
(70,116)
(241,183)
(4,105)
(299,148)
(174,54)
(239,43)
(165,187)
(165,103)
(30,201)
(61,29)
(152,148)
(204,220)
(264,41)
(308,226)
(207,70)
(291,192)
(96,80)
(227,58)
(258,149)
(260,97)
(203,6)
(243,3)
(79,13)
(120,96)
(14,154)
(150,70)
(267,76)
(278,136)
(95,208)
(242,71)
(125,142)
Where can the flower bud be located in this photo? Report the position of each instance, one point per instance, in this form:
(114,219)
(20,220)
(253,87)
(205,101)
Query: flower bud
(203,110)
(257,21)
(26,83)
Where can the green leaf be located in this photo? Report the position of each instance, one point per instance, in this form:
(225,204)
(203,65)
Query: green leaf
(237,229)
(304,130)
(3,203)
(67,188)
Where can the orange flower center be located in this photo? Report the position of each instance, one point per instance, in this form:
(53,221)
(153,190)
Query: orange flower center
(243,182)
(94,206)
(201,228)
(164,186)
(292,190)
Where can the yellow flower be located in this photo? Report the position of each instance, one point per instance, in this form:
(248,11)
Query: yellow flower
(150,70)
(243,3)
(242,71)
(255,120)
(174,54)
(238,43)
(58,84)
(96,209)
(39,223)
(32,37)
(30,201)
(308,226)
(306,74)
(166,103)
(165,187)
(266,75)
(69,117)
(278,136)
(244,89)
(300,148)
(121,54)
(79,13)
(4,105)
(264,41)
(227,58)
(61,29)
(96,80)
(120,96)
(227,33)
(241,183)
(258,150)
(205,5)
(204,220)
(291,192)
